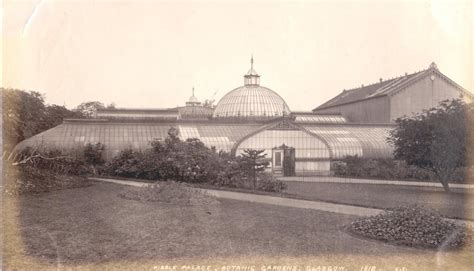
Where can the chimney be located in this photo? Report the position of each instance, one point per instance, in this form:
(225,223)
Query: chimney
(380,79)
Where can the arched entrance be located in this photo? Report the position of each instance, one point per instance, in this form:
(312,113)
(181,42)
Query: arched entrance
(290,150)
(283,160)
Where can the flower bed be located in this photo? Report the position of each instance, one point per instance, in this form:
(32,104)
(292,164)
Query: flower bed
(412,226)
(171,193)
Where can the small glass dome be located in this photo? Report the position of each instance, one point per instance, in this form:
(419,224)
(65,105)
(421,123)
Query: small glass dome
(251,101)
(193,101)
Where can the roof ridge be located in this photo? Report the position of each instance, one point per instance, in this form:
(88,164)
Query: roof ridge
(383,84)
(135,108)
(393,78)
(384,81)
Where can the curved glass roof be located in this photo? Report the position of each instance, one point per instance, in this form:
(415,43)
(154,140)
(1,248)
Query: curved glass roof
(363,141)
(195,112)
(342,139)
(117,136)
(193,99)
(251,102)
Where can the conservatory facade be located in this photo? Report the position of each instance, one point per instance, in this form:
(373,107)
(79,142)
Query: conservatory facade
(248,117)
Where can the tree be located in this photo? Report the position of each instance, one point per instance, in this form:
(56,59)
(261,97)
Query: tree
(209,103)
(89,109)
(436,139)
(55,114)
(254,162)
(25,114)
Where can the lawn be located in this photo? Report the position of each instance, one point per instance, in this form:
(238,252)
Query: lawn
(96,228)
(457,204)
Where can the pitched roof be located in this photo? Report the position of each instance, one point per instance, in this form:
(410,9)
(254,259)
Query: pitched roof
(138,113)
(195,112)
(311,117)
(388,87)
(138,110)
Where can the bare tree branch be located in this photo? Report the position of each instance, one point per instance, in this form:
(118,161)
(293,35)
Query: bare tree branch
(24,161)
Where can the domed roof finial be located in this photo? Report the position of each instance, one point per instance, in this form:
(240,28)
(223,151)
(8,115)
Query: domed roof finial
(252,77)
(193,100)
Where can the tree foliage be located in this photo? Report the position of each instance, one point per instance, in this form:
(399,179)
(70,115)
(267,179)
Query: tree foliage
(55,114)
(94,154)
(174,159)
(436,139)
(254,162)
(191,161)
(89,109)
(25,114)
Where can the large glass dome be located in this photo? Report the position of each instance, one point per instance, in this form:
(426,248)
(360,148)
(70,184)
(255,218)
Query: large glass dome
(251,101)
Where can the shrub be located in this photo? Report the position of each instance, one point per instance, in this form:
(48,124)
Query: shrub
(44,170)
(93,154)
(128,163)
(267,182)
(192,162)
(53,160)
(412,226)
(188,161)
(353,166)
(25,179)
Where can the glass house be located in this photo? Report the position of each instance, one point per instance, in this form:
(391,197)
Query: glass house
(248,117)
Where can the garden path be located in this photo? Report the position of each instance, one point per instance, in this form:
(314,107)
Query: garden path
(288,202)
(280,201)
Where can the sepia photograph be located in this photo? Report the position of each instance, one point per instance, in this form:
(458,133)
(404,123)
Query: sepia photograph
(230,135)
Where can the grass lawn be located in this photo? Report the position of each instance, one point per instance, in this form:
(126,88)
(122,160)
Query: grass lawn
(96,228)
(457,204)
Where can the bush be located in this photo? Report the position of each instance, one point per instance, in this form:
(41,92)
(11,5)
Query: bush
(190,161)
(53,160)
(26,179)
(389,169)
(128,163)
(94,154)
(36,171)
(412,226)
(267,182)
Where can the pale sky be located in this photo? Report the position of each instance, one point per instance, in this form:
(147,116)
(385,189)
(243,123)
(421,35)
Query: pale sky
(150,54)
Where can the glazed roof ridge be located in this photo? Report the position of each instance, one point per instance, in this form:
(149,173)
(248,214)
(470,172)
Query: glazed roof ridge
(315,113)
(138,109)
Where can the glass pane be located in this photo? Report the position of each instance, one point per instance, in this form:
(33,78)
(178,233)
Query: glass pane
(278,159)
